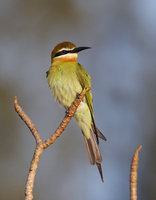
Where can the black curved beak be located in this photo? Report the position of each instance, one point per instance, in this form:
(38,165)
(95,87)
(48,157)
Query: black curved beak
(78,49)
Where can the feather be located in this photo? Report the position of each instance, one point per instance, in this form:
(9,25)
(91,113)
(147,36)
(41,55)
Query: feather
(93,151)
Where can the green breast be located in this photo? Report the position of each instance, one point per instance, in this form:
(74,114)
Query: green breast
(63,82)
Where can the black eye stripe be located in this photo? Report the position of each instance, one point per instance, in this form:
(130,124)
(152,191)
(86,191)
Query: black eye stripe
(63,52)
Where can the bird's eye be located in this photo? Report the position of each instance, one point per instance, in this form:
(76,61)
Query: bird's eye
(61,53)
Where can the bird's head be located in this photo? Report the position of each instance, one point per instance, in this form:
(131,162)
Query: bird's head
(66,51)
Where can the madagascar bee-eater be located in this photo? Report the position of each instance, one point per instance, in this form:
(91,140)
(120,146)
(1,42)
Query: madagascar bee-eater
(67,78)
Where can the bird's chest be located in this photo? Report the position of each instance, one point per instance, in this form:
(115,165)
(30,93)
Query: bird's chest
(64,86)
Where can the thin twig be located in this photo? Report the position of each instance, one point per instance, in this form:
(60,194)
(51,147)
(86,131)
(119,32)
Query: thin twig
(40,146)
(133,175)
(27,121)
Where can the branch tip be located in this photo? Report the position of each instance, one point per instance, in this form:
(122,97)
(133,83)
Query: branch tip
(87,89)
(133,174)
(15,100)
(139,148)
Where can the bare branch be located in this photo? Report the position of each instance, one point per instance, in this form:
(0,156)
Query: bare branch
(32,172)
(40,146)
(27,121)
(133,175)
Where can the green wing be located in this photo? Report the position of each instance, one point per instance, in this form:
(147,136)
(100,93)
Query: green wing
(85,82)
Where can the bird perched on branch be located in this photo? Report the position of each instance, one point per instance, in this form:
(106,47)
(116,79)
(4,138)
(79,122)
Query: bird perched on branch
(67,78)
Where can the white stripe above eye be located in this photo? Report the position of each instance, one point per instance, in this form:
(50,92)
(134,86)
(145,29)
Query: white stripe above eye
(66,49)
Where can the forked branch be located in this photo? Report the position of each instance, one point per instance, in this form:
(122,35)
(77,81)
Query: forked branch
(40,146)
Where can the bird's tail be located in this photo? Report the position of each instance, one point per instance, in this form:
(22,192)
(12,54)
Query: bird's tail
(93,152)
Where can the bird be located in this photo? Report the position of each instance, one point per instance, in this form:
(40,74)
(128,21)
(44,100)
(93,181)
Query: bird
(66,79)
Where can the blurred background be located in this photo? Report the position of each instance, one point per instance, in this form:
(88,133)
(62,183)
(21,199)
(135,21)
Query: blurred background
(122,65)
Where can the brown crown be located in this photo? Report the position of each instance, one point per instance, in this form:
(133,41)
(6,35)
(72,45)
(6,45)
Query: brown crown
(58,47)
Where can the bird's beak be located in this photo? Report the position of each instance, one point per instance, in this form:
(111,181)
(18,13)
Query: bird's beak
(78,49)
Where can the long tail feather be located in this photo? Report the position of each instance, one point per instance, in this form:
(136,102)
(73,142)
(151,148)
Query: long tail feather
(93,152)
(89,148)
(100,170)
